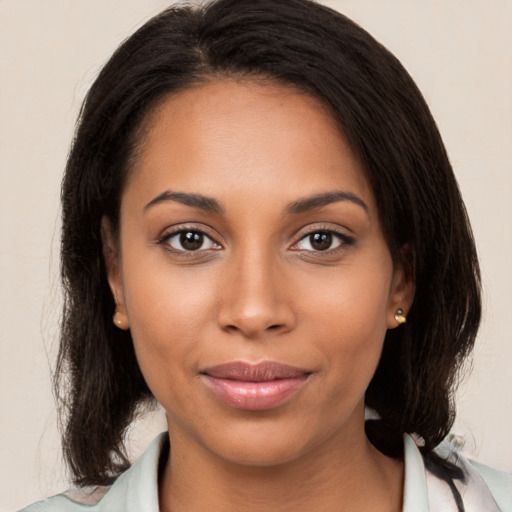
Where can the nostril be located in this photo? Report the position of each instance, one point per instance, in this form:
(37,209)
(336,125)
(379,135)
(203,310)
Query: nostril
(273,327)
(255,317)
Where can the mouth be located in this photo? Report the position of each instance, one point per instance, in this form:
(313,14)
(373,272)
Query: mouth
(254,387)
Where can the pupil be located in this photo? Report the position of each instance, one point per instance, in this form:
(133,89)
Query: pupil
(191,240)
(321,241)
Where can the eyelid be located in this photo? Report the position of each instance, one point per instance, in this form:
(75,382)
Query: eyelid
(347,240)
(173,231)
(168,233)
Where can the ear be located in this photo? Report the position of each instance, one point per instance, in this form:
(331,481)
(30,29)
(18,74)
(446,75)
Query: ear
(402,287)
(112,258)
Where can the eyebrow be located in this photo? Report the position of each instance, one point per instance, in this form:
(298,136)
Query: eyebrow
(211,205)
(319,200)
(208,204)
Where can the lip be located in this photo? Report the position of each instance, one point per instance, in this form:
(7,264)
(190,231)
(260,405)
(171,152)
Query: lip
(254,387)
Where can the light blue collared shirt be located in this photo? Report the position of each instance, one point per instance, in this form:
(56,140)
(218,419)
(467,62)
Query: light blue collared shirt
(136,490)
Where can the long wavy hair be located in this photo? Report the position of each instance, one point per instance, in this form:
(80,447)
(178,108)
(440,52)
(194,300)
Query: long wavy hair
(387,124)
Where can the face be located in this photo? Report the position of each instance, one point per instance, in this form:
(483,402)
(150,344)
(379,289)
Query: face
(254,274)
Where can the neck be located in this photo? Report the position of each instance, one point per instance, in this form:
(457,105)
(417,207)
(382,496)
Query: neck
(344,474)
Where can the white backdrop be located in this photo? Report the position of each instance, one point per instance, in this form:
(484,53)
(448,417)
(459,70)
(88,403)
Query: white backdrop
(459,52)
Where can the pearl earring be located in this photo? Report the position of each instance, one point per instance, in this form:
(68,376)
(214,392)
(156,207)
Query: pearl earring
(121,320)
(400,317)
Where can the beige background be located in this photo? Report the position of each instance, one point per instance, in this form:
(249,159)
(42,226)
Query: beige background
(459,52)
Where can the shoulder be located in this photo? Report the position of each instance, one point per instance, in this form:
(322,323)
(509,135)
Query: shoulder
(479,487)
(73,500)
(499,484)
(135,490)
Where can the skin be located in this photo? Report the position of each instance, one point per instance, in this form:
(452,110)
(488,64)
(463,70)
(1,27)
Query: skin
(257,290)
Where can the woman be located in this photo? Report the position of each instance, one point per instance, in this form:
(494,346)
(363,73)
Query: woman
(262,231)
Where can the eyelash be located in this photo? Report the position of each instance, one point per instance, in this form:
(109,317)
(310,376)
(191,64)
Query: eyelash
(343,238)
(182,230)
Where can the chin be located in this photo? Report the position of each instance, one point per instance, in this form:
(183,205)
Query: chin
(265,443)
(264,454)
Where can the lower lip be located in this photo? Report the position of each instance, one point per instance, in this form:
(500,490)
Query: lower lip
(254,396)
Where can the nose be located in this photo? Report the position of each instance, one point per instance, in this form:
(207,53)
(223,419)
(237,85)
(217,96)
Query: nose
(254,297)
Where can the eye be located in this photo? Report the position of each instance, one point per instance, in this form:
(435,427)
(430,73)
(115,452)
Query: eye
(321,241)
(187,240)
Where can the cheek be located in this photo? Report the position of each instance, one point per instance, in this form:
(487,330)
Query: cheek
(352,299)
(347,314)
(168,308)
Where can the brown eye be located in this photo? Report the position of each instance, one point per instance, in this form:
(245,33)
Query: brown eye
(321,241)
(189,240)
(318,241)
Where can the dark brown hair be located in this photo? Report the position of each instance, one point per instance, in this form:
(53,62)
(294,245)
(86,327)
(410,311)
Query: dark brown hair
(390,128)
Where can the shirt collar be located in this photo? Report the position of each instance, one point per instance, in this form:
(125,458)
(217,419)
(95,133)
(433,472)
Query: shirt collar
(137,488)
(415,485)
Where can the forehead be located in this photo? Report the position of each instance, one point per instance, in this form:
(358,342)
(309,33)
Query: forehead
(228,136)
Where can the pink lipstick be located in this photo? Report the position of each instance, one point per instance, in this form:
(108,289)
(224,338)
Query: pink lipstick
(254,387)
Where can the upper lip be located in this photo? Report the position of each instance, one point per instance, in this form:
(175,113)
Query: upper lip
(249,372)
